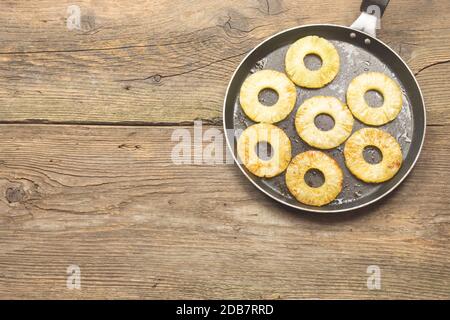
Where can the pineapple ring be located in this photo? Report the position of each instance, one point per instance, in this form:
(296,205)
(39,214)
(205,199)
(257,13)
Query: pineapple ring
(373,173)
(281,150)
(267,79)
(390,90)
(300,74)
(308,131)
(295,178)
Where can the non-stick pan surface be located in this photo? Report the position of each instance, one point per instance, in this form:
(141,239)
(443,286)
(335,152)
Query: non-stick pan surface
(359,53)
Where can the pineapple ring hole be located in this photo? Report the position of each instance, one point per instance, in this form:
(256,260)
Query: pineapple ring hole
(372,154)
(264,150)
(314,178)
(324,122)
(313,61)
(268,97)
(374,98)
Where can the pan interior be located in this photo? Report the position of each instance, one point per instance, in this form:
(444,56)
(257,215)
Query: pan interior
(356,57)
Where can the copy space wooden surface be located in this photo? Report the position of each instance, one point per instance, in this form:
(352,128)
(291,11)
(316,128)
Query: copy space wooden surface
(86,176)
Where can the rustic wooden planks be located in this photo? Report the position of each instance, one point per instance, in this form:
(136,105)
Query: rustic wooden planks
(109,200)
(170,61)
(86,119)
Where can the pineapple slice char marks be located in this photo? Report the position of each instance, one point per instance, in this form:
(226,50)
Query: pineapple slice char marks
(279,142)
(295,178)
(381,83)
(367,172)
(267,79)
(308,131)
(300,74)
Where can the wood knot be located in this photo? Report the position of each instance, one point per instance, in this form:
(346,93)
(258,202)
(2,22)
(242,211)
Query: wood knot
(235,24)
(15,194)
(156,78)
(129,146)
(270,7)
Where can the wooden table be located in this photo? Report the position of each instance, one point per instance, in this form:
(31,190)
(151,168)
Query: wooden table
(86,177)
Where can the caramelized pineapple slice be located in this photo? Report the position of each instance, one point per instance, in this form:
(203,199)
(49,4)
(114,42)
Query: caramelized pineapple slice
(308,131)
(295,178)
(373,173)
(267,79)
(381,83)
(300,74)
(280,146)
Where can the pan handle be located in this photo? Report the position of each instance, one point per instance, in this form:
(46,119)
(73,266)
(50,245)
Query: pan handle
(374,6)
(370,19)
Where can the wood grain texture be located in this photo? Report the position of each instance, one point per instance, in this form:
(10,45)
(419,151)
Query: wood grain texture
(170,61)
(86,178)
(109,200)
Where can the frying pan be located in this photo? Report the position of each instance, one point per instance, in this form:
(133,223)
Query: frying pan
(360,51)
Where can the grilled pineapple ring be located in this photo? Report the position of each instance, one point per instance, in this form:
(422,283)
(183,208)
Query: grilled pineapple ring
(267,79)
(390,90)
(295,178)
(300,74)
(307,130)
(373,173)
(278,140)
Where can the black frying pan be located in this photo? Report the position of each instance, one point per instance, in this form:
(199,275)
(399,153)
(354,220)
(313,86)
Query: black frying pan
(360,51)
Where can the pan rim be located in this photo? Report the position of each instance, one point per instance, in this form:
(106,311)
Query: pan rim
(322,210)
